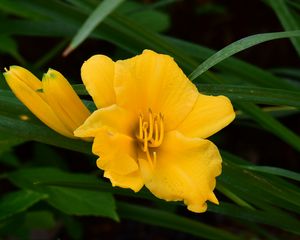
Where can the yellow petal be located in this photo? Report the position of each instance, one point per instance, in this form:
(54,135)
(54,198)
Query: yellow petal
(117,152)
(24,86)
(209,115)
(133,180)
(154,81)
(118,158)
(113,116)
(97,75)
(185,170)
(63,100)
(26,77)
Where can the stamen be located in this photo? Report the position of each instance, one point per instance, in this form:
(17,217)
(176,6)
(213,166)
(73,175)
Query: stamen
(145,141)
(156,132)
(154,158)
(140,127)
(149,159)
(162,130)
(150,134)
(150,125)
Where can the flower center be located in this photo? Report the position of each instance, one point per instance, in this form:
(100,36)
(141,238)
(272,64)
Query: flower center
(150,134)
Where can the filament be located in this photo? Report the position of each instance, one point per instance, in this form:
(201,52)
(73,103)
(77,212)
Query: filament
(150,134)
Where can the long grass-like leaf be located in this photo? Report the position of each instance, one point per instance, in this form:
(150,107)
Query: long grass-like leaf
(172,221)
(246,72)
(286,18)
(253,94)
(96,17)
(239,46)
(270,124)
(275,171)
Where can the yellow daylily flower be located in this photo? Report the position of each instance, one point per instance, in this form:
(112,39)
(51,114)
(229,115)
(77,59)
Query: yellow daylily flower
(52,100)
(151,125)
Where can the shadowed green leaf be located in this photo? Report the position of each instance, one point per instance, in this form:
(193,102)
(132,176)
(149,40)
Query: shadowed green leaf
(281,9)
(275,171)
(16,202)
(104,8)
(239,46)
(172,221)
(69,200)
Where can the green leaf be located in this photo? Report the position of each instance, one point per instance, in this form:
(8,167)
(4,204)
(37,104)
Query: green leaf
(7,141)
(18,201)
(252,94)
(9,46)
(286,18)
(39,220)
(275,171)
(25,9)
(271,124)
(82,202)
(146,16)
(270,218)
(246,72)
(172,221)
(260,188)
(69,200)
(234,178)
(239,46)
(104,8)
(293,73)
(9,159)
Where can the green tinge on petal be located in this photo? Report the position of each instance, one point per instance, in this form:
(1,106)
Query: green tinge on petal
(53,101)
(63,100)
(33,100)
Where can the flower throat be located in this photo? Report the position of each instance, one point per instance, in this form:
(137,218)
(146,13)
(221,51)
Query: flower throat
(150,134)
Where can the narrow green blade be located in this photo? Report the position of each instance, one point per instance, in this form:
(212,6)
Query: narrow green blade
(239,46)
(287,19)
(104,8)
(172,221)
(275,171)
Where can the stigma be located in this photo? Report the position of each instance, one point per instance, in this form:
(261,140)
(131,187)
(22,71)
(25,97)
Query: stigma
(150,134)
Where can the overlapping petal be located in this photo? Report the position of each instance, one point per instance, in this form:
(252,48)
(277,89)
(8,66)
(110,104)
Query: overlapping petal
(147,81)
(26,88)
(185,170)
(133,180)
(52,100)
(113,116)
(97,75)
(63,100)
(118,158)
(209,115)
